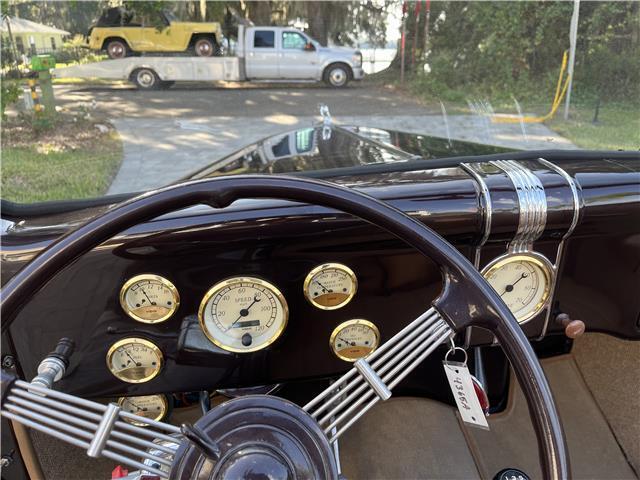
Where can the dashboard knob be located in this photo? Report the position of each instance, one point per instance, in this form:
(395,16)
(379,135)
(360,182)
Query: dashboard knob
(572,328)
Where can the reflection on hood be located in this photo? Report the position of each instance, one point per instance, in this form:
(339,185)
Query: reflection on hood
(332,147)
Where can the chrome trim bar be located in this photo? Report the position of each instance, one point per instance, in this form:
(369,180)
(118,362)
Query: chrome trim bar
(99,429)
(486,208)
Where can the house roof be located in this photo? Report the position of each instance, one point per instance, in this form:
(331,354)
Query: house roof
(20,25)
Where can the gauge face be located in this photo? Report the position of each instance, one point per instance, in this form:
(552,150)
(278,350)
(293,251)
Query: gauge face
(330,286)
(134,360)
(354,339)
(153,407)
(523,282)
(149,298)
(243,314)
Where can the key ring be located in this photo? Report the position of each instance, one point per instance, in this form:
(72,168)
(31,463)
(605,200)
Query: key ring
(453,350)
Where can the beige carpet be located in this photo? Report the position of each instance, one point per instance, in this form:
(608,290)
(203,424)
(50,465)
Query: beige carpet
(593,450)
(611,370)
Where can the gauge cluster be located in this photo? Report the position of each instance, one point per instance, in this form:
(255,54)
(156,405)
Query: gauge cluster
(241,314)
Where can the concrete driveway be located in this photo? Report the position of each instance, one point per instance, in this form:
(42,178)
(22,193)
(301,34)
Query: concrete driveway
(169,134)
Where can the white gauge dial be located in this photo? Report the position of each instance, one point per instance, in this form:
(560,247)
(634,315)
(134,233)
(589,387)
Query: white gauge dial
(330,286)
(243,314)
(149,298)
(523,282)
(153,407)
(134,360)
(354,339)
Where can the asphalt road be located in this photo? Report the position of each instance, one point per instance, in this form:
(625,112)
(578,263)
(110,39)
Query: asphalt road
(238,100)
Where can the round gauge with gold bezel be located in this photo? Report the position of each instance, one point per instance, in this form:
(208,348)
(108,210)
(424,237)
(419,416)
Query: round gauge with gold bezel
(134,360)
(523,281)
(354,339)
(149,298)
(152,407)
(330,286)
(243,314)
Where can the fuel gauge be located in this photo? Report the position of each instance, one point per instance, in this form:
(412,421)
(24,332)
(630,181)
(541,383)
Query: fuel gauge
(354,339)
(330,286)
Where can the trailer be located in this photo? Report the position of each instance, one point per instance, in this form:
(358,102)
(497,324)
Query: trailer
(262,54)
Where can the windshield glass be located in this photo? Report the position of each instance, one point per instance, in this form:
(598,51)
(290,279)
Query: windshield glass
(96,102)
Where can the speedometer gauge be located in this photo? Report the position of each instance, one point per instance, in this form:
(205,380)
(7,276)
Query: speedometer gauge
(354,339)
(330,286)
(243,314)
(149,298)
(134,360)
(523,281)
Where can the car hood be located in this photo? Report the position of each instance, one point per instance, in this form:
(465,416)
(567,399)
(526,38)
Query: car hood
(334,148)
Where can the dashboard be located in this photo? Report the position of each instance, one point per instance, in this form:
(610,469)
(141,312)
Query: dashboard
(265,292)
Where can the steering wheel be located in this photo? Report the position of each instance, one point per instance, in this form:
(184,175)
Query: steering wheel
(466,299)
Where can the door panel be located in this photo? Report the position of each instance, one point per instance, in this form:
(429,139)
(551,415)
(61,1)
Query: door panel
(294,61)
(262,54)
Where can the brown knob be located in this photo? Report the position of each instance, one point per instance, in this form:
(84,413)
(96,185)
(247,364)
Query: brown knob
(572,328)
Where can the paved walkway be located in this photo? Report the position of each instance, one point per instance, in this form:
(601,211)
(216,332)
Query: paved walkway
(159,151)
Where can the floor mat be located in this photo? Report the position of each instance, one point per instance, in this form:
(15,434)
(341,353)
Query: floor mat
(407,438)
(593,450)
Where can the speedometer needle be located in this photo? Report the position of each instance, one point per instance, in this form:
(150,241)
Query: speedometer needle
(245,311)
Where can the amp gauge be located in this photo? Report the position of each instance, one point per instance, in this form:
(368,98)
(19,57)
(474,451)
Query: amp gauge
(153,407)
(354,339)
(149,298)
(330,286)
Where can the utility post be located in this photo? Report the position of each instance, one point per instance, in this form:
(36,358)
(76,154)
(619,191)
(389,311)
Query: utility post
(42,64)
(573,36)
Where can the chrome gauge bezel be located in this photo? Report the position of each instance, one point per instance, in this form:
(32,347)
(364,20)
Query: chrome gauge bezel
(163,400)
(218,287)
(535,258)
(330,266)
(151,277)
(135,340)
(349,323)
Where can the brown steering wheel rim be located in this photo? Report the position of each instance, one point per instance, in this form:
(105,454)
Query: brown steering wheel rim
(467,299)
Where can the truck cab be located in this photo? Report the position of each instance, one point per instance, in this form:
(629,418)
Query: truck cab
(273,53)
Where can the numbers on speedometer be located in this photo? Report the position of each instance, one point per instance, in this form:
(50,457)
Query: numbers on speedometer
(243,314)
(523,281)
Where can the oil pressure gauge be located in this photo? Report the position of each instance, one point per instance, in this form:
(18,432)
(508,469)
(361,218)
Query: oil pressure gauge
(134,360)
(330,286)
(354,339)
(149,298)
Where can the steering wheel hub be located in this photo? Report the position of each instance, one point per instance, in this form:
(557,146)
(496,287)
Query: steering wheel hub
(259,437)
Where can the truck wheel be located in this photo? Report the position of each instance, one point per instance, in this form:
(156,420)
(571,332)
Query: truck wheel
(146,79)
(337,75)
(204,47)
(117,49)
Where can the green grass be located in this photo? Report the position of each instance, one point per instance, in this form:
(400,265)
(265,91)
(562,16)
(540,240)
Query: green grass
(618,127)
(31,174)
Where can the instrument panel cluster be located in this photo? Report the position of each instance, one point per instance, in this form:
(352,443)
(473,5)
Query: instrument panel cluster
(241,314)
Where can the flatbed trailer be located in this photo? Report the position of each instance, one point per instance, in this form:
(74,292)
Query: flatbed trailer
(263,54)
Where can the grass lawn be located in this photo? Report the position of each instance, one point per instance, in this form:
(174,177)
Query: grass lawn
(618,127)
(69,162)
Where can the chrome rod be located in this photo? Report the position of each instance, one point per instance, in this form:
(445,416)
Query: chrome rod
(58,405)
(51,412)
(144,443)
(415,345)
(134,463)
(354,419)
(145,432)
(50,422)
(383,348)
(138,453)
(151,423)
(418,330)
(45,429)
(61,396)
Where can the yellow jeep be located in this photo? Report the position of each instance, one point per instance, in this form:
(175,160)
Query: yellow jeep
(120,34)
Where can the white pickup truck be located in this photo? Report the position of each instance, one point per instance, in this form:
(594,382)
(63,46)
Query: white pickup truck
(262,53)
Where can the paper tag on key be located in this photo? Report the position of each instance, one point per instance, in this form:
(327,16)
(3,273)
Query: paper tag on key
(465,395)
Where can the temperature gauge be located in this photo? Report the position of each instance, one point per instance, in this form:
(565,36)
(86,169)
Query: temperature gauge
(330,286)
(149,298)
(153,407)
(134,360)
(354,339)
